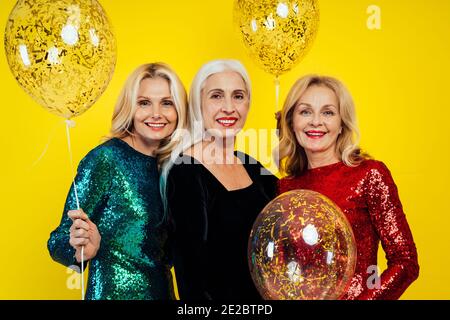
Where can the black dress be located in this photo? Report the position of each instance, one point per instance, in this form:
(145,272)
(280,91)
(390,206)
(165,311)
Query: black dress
(211,229)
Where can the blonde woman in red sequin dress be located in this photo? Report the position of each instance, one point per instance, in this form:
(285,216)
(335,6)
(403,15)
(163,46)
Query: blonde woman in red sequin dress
(319,151)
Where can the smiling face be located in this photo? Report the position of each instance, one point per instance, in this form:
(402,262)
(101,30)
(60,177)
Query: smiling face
(225,103)
(316,120)
(156,116)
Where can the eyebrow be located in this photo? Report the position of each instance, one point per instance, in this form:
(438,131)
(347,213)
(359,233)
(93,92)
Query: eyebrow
(163,98)
(212,90)
(221,90)
(310,106)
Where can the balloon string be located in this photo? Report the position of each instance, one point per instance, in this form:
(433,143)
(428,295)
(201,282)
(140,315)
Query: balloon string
(277,93)
(50,138)
(71,124)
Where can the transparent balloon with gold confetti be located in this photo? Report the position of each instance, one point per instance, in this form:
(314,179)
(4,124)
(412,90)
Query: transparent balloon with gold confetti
(62,53)
(301,247)
(277,33)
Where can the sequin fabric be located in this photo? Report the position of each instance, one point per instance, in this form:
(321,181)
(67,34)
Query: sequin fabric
(118,189)
(369,198)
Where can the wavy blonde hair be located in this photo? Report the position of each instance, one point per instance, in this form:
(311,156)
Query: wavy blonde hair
(292,156)
(122,120)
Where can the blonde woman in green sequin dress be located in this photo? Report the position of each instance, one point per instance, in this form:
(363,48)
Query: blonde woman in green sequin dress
(121,224)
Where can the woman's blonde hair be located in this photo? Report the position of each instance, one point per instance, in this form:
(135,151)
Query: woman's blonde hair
(292,156)
(122,120)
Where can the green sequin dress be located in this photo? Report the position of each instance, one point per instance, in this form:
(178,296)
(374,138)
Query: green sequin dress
(118,189)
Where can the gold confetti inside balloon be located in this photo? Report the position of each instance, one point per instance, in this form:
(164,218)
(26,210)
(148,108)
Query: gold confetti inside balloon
(301,247)
(61,52)
(277,33)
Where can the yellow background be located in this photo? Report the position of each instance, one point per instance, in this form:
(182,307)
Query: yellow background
(397,75)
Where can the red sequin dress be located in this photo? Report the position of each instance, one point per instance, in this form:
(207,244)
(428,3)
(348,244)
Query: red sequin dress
(369,198)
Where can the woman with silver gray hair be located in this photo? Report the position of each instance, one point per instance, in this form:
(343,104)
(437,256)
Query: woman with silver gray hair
(215,193)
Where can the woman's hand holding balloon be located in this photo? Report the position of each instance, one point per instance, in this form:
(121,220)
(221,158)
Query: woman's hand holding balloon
(83,232)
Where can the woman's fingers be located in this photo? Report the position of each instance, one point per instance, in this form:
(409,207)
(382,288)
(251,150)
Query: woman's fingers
(77,214)
(76,242)
(80,224)
(79,233)
(91,225)
(83,232)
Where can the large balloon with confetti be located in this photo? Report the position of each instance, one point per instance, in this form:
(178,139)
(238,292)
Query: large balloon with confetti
(277,34)
(301,247)
(62,53)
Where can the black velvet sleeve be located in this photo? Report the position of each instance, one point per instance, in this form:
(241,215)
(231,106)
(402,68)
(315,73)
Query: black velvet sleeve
(187,205)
